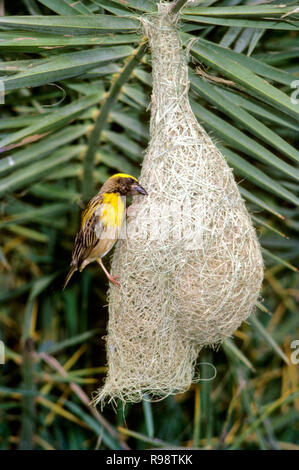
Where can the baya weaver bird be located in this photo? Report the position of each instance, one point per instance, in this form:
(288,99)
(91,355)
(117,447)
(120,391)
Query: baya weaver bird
(101,223)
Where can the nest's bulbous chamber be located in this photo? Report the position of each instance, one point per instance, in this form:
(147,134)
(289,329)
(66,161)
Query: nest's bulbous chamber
(190,266)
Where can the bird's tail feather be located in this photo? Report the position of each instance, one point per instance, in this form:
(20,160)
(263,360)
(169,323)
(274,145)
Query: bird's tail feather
(68,277)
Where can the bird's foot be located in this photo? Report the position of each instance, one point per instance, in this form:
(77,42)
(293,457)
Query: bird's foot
(114,280)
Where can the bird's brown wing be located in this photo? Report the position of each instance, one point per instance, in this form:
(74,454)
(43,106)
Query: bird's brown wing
(89,233)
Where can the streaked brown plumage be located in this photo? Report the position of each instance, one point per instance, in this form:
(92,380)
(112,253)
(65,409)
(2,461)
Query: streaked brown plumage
(101,223)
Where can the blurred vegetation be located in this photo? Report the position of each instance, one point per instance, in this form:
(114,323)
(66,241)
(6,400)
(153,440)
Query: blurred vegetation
(76,111)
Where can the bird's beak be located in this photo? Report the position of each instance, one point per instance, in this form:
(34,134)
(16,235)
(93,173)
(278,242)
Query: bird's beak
(138,189)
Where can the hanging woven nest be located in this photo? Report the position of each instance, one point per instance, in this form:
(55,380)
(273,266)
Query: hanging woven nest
(190,265)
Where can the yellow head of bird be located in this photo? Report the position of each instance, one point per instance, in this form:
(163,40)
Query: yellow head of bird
(125,185)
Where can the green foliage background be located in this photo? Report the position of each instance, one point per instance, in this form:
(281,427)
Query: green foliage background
(78,82)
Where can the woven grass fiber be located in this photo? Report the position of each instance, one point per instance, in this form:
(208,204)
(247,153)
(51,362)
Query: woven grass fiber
(190,264)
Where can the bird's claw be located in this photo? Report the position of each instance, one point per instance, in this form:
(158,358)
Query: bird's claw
(114,280)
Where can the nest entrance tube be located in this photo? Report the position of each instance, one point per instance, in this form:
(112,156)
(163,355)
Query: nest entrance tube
(190,266)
